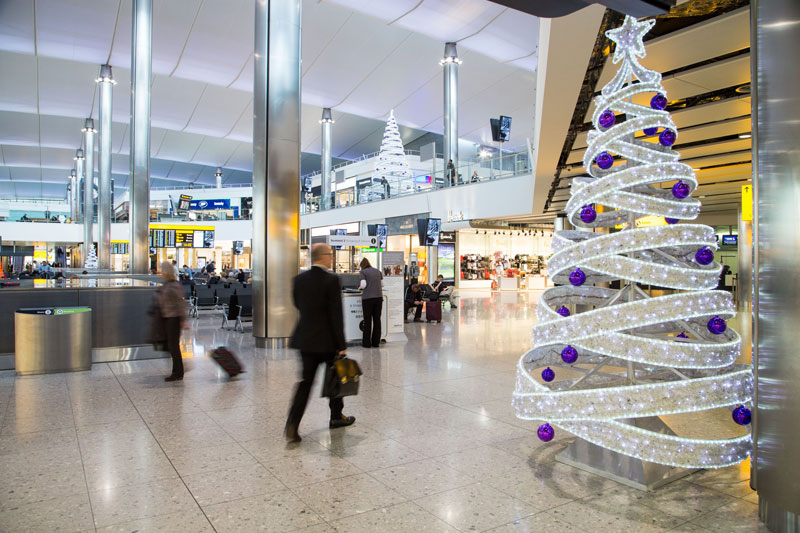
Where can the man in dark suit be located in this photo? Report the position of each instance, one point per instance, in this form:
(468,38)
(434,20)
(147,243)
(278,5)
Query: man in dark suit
(319,334)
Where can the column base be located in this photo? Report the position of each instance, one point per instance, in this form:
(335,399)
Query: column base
(777,520)
(272,343)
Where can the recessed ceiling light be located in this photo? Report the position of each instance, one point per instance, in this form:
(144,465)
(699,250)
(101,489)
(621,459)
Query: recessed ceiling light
(745,135)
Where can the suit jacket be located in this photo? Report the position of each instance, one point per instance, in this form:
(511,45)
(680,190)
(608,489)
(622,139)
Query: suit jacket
(318,297)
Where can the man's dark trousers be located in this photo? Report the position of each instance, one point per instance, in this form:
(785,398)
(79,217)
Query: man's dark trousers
(311,362)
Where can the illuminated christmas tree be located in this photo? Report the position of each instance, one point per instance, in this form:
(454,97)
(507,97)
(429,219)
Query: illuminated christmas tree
(391,163)
(639,356)
(91,258)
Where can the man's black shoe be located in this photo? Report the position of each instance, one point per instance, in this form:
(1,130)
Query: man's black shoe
(342,422)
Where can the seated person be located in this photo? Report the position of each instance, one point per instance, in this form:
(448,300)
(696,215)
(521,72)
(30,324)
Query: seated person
(241,276)
(445,291)
(59,274)
(413,299)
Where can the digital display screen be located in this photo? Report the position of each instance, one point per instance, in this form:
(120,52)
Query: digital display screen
(381,231)
(119,248)
(238,247)
(181,237)
(422,179)
(184,202)
(730,240)
(432,235)
(447,261)
(505,128)
(208,239)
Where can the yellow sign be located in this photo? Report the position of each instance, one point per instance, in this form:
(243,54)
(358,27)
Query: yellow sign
(747,202)
(40,255)
(181,227)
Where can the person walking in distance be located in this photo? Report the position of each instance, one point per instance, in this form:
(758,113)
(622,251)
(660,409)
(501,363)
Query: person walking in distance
(371,286)
(173,313)
(319,334)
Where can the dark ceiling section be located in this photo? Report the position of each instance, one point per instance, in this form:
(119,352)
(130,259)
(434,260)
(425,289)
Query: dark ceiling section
(559,8)
(718,145)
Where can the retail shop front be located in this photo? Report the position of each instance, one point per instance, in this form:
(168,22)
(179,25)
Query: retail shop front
(505,259)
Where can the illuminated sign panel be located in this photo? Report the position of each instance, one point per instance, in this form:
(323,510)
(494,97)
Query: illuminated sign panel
(177,236)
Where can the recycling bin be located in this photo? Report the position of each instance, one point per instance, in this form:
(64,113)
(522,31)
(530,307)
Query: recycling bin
(52,339)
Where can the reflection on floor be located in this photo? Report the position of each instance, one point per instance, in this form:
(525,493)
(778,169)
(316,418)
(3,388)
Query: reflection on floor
(436,446)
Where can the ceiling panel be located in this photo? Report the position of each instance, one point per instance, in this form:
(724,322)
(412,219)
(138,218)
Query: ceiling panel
(19,128)
(513,35)
(7,189)
(386,10)
(77,30)
(28,190)
(218,111)
(713,148)
(321,22)
(215,152)
(216,50)
(62,132)
(450,20)
(171,24)
(184,171)
(16,26)
(241,158)
(57,157)
(53,191)
(20,156)
(727,73)
(25,174)
(173,101)
(66,87)
(18,82)
(160,167)
(243,129)
(178,146)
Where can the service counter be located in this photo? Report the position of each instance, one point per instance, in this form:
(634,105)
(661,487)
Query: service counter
(354,316)
(119,314)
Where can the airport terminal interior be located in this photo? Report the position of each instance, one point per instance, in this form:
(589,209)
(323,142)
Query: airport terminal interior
(544,254)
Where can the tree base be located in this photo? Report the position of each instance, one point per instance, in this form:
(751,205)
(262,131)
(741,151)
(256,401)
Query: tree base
(630,471)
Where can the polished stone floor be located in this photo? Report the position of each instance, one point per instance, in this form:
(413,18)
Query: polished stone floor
(436,446)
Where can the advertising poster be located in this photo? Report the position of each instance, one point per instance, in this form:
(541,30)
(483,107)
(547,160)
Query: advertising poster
(393,263)
(447,261)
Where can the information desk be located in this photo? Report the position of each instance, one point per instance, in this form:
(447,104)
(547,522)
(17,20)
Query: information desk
(119,318)
(53,339)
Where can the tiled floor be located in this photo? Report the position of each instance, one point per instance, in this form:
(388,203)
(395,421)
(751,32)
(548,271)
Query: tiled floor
(436,446)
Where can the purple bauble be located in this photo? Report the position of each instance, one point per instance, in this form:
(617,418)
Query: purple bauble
(604,160)
(717,325)
(704,256)
(607,119)
(667,138)
(682,335)
(545,432)
(671,220)
(659,102)
(563,311)
(548,375)
(650,131)
(741,415)
(577,277)
(569,354)
(588,214)
(681,190)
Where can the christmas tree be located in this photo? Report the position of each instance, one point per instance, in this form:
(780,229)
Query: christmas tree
(391,165)
(638,357)
(91,258)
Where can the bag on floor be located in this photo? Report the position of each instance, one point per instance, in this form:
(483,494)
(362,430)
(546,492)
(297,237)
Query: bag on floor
(225,359)
(341,379)
(433,311)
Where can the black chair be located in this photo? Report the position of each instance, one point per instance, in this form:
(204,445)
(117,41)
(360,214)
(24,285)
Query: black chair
(245,291)
(204,298)
(187,292)
(244,311)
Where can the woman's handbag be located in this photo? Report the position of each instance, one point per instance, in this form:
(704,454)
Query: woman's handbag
(341,378)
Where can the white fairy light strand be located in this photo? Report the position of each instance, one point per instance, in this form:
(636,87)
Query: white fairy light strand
(625,326)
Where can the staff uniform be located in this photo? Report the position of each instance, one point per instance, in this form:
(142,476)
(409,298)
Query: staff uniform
(372,304)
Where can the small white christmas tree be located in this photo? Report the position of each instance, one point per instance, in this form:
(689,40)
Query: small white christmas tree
(91,258)
(391,163)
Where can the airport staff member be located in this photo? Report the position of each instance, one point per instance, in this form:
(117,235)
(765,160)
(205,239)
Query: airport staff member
(371,286)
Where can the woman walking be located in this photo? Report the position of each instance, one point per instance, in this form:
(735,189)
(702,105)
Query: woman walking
(173,316)
(371,286)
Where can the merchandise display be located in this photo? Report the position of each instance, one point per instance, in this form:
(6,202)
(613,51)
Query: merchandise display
(645,355)
(475,267)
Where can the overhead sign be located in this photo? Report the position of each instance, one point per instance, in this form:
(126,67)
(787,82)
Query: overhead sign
(223,203)
(179,236)
(406,225)
(649,221)
(747,202)
(184,202)
(352,240)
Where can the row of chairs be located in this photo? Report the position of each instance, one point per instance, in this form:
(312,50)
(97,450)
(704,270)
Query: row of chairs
(234,303)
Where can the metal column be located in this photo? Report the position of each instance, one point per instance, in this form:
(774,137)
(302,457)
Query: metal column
(79,175)
(276,168)
(744,288)
(776,313)
(88,188)
(450,63)
(104,206)
(325,179)
(139,184)
(218,177)
(73,196)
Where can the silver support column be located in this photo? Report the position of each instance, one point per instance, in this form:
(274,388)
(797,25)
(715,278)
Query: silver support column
(450,63)
(139,183)
(325,178)
(744,288)
(88,188)
(74,185)
(776,313)
(79,175)
(218,177)
(433,263)
(276,169)
(104,206)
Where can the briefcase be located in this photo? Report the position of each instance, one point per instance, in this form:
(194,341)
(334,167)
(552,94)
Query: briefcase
(341,378)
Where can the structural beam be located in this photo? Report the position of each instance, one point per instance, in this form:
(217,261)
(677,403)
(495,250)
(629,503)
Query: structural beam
(326,122)
(276,168)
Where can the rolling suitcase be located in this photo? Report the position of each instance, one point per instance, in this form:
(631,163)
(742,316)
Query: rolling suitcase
(225,359)
(433,311)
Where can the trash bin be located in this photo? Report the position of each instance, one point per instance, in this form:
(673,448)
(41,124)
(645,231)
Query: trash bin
(52,339)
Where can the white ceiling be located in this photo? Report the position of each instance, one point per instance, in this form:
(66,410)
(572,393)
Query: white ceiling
(362,58)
